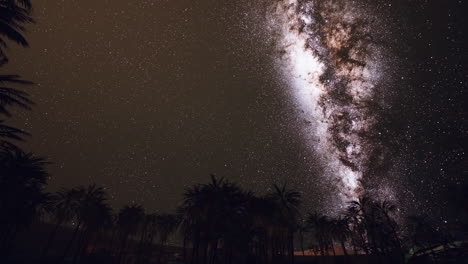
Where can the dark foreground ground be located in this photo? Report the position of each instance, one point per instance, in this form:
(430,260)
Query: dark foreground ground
(28,246)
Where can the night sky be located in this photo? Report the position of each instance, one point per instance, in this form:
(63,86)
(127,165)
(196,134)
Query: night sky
(335,98)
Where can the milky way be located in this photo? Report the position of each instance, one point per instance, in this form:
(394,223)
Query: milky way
(335,98)
(335,64)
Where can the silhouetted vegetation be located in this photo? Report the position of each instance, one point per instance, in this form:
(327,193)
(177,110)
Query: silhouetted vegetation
(216,222)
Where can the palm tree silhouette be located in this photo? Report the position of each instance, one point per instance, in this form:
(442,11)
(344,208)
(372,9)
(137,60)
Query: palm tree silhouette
(22,180)
(318,224)
(128,223)
(340,231)
(360,222)
(166,225)
(288,202)
(374,229)
(65,203)
(149,229)
(95,215)
(12,97)
(14,14)
(208,214)
(85,200)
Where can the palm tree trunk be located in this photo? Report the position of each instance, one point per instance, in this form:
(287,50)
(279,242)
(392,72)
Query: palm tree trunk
(80,244)
(321,246)
(150,244)
(185,248)
(195,250)
(302,243)
(291,247)
(205,252)
(140,245)
(192,260)
(230,255)
(45,250)
(273,250)
(344,248)
(353,241)
(111,240)
(70,242)
(161,250)
(8,239)
(215,250)
(122,248)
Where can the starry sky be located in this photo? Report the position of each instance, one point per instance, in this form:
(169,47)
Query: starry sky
(149,97)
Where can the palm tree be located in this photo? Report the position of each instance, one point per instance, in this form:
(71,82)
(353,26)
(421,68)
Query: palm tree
(95,215)
(166,225)
(85,200)
(373,227)
(209,213)
(340,231)
(129,220)
(302,229)
(22,180)
(389,227)
(14,14)
(12,97)
(288,202)
(320,226)
(149,229)
(357,214)
(64,206)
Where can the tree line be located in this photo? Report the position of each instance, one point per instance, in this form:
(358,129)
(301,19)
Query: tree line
(216,222)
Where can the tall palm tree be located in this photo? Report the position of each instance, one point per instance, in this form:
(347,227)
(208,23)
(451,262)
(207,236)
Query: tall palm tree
(128,223)
(85,200)
(149,229)
(340,232)
(209,213)
(14,14)
(22,180)
(321,226)
(389,227)
(263,211)
(95,215)
(166,225)
(288,202)
(374,226)
(361,221)
(12,97)
(64,206)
